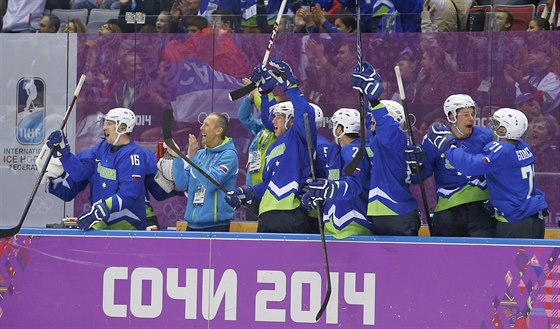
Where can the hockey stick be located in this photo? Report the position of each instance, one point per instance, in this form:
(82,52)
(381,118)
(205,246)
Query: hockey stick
(319,218)
(412,142)
(349,169)
(14,230)
(238,93)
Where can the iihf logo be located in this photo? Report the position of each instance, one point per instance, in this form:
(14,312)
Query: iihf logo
(30,118)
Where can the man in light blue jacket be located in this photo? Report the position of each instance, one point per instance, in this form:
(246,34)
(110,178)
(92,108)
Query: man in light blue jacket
(206,207)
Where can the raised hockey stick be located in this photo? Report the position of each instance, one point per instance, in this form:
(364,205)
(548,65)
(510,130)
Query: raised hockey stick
(350,167)
(14,230)
(319,218)
(412,142)
(238,93)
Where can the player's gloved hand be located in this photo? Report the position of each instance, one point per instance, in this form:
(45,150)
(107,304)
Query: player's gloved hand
(322,189)
(441,136)
(96,213)
(286,77)
(307,202)
(367,81)
(257,74)
(240,196)
(58,143)
(414,155)
(268,82)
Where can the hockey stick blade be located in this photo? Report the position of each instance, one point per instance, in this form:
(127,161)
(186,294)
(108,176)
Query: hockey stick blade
(14,230)
(238,93)
(168,139)
(319,219)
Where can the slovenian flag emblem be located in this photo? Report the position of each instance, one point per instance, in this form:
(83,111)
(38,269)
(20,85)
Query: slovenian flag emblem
(223,168)
(136,177)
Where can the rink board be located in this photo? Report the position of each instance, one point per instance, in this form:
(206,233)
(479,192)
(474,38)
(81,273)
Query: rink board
(71,279)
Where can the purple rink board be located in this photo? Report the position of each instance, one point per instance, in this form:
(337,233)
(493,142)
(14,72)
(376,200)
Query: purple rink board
(71,279)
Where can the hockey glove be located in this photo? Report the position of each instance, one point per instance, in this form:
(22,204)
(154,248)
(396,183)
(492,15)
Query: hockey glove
(97,213)
(54,168)
(322,189)
(441,137)
(257,74)
(240,196)
(286,77)
(414,155)
(307,202)
(58,143)
(268,82)
(367,81)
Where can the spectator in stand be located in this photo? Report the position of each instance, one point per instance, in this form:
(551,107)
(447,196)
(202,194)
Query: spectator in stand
(503,20)
(222,21)
(433,83)
(445,15)
(90,4)
(345,23)
(110,27)
(387,16)
(538,24)
(195,24)
(550,13)
(23,16)
(529,105)
(163,22)
(540,79)
(75,26)
(542,137)
(49,24)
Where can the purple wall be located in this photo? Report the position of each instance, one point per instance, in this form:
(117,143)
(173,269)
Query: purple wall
(71,279)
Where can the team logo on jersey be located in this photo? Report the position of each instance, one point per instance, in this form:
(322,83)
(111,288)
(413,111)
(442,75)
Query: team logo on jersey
(30,115)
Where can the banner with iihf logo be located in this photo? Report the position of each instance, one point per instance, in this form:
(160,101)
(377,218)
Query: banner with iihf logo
(38,76)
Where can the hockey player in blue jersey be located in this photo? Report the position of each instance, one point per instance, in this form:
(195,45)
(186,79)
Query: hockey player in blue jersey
(460,209)
(206,208)
(344,197)
(115,170)
(287,164)
(508,164)
(391,206)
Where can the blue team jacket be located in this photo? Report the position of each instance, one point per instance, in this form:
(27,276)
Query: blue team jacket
(219,162)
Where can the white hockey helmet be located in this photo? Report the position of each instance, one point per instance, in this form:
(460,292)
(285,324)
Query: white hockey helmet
(396,110)
(349,119)
(456,102)
(121,116)
(509,123)
(319,117)
(286,108)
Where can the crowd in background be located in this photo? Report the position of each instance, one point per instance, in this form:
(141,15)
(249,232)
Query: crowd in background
(252,16)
